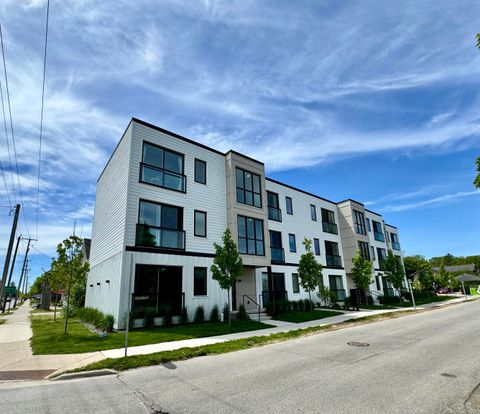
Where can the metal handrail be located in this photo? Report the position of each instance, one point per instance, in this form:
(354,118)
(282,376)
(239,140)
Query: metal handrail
(253,300)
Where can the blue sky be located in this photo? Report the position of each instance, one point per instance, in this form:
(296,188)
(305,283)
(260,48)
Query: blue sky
(360,99)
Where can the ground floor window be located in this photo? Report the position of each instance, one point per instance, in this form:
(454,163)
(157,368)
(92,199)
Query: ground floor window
(200,281)
(336,285)
(157,289)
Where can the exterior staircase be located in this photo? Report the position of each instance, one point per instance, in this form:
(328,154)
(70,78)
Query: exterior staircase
(263,315)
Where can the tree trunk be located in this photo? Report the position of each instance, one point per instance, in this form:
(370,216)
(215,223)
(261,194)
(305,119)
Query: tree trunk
(66,312)
(55,311)
(229,311)
(310,299)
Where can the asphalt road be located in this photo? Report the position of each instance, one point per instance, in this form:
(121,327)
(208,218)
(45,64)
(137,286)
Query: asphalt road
(422,363)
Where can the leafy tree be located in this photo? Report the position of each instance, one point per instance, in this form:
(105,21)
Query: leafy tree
(309,270)
(426,278)
(476,182)
(361,273)
(394,272)
(413,263)
(69,272)
(36,287)
(227,265)
(442,278)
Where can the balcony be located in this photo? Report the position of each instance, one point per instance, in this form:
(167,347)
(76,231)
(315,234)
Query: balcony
(152,236)
(395,245)
(334,260)
(162,178)
(329,227)
(379,236)
(274,214)
(278,254)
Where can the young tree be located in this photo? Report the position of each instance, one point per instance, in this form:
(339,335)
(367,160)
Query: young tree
(309,270)
(361,273)
(425,278)
(413,264)
(227,265)
(394,271)
(476,182)
(443,277)
(68,270)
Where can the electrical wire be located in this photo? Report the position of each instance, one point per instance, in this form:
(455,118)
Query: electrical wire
(41,115)
(12,133)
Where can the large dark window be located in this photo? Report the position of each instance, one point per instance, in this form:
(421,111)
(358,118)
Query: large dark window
(199,281)
(160,225)
(381,255)
(332,254)
(364,250)
(377,231)
(274,212)
(359,221)
(162,167)
(295,283)
(289,204)
(316,246)
(292,243)
(250,236)
(313,212)
(369,228)
(328,221)
(336,285)
(200,171)
(394,239)
(200,223)
(276,247)
(248,188)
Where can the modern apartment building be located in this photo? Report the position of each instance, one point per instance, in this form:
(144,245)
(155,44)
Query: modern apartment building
(162,202)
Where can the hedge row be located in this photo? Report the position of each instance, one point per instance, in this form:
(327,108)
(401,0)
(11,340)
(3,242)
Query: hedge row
(96,318)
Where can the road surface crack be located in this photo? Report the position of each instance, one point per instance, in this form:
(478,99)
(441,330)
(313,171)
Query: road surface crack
(148,403)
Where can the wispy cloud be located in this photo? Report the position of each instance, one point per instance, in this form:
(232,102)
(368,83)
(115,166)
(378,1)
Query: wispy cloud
(446,198)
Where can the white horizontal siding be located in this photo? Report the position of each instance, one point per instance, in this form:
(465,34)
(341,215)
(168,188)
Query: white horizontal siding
(210,198)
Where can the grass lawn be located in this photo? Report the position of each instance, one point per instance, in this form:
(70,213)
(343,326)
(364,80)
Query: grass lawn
(48,337)
(423,301)
(2,321)
(38,310)
(137,361)
(305,316)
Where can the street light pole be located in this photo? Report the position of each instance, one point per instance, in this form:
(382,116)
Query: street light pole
(411,293)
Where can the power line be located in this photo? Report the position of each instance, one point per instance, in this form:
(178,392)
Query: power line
(41,114)
(11,130)
(5,182)
(38,251)
(8,144)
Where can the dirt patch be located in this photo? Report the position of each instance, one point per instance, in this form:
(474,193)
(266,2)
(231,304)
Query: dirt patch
(32,374)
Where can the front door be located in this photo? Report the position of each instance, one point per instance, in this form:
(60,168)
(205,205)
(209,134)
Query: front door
(278,292)
(157,288)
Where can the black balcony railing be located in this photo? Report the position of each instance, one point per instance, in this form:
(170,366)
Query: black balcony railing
(395,245)
(329,227)
(152,236)
(162,178)
(379,236)
(274,214)
(278,254)
(334,260)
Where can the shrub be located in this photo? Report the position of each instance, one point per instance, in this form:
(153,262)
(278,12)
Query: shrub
(301,305)
(242,313)
(184,316)
(308,305)
(226,312)
(149,319)
(294,305)
(167,318)
(199,315)
(347,303)
(369,300)
(96,318)
(389,300)
(215,314)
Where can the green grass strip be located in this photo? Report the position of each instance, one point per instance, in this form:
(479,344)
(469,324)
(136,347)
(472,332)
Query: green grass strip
(137,361)
(305,316)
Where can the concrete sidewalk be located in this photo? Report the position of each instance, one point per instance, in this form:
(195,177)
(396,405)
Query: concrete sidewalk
(16,359)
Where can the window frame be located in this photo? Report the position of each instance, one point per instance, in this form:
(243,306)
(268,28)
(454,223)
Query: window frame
(205,283)
(364,249)
(316,246)
(247,238)
(195,223)
(359,226)
(195,178)
(291,237)
(289,207)
(244,190)
(155,167)
(295,285)
(313,212)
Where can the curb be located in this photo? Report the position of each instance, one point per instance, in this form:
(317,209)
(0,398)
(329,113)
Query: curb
(84,374)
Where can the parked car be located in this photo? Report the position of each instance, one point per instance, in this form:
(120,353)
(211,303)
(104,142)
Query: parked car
(444,290)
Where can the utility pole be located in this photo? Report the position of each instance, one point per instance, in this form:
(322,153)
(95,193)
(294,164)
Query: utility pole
(25,290)
(9,251)
(23,271)
(11,272)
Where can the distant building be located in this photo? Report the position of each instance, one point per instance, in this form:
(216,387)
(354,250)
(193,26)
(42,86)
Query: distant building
(163,200)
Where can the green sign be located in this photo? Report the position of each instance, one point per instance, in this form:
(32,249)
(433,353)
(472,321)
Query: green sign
(9,290)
